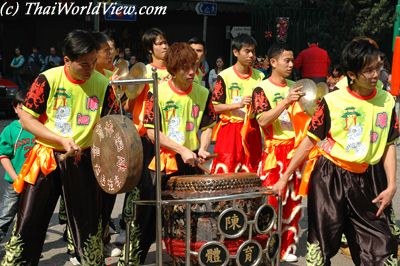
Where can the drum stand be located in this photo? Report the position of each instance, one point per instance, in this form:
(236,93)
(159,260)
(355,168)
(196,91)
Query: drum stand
(188,203)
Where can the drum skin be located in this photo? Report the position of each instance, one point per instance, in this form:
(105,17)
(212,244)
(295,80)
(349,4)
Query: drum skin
(117,154)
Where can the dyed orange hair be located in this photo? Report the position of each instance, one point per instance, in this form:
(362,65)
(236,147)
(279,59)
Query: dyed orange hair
(180,56)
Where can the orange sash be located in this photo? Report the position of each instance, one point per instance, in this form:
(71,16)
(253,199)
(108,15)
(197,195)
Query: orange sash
(40,158)
(246,129)
(270,144)
(300,121)
(138,111)
(167,162)
(313,156)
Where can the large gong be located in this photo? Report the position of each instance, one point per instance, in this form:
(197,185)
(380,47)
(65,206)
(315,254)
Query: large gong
(117,154)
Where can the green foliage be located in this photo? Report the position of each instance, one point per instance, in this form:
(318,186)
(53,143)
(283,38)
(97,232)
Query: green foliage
(346,19)
(373,20)
(340,22)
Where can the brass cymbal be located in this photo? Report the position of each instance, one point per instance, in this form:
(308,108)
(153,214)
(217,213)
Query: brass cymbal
(123,68)
(313,94)
(137,71)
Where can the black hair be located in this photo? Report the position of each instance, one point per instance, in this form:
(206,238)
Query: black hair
(100,37)
(78,43)
(338,68)
(196,40)
(19,97)
(358,54)
(312,39)
(276,50)
(241,40)
(112,35)
(149,38)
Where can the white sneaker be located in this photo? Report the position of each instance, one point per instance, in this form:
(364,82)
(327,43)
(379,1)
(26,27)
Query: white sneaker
(110,250)
(121,238)
(291,258)
(74,261)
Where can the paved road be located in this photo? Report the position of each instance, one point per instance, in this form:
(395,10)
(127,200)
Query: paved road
(54,249)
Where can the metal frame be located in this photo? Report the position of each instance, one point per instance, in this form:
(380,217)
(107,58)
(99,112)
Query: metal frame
(153,80)
(187,202)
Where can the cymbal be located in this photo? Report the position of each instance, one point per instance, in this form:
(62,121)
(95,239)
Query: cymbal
(123,68)
(137,71)
(313,94)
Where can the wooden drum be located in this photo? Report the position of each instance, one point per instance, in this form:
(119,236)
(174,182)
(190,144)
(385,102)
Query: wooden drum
(225,225)
(117,154)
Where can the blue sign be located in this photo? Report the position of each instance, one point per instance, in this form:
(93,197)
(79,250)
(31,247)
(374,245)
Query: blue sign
(120,12)
(206,9)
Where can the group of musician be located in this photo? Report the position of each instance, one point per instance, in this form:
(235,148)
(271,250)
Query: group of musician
(257,124)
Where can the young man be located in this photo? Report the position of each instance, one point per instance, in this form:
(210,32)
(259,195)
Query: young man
(15,144)
(189,110)
(271,100)
(375,172)
(155,43)
(56,101)
(359,126)
(185,109)
(200,48)
(238,138)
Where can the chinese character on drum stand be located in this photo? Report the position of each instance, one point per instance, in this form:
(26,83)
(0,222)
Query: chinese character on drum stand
(213,255)
(232,222)
(248,253)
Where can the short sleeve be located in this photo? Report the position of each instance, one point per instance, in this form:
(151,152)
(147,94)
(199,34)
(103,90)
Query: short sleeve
(37,96)
(110,103)
(6,145)
(320,123)
(219,92)
(209,117)
(148,119)
(394,128)
(260,102)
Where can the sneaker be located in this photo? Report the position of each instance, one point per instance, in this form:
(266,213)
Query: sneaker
(121,238)
(74,261)
(291,258)
(110,250)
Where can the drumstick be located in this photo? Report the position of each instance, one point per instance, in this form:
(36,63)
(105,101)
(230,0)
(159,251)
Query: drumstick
(202,167)
(211,156)
(64,156)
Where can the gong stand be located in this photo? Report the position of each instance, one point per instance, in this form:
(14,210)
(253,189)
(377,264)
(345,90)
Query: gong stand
(273,247)
(153,80)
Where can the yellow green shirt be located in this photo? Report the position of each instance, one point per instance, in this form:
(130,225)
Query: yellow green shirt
(198,77)
(162,73)
(265,97)
(182,114)
(231,87)
(69,108)
(357,129)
